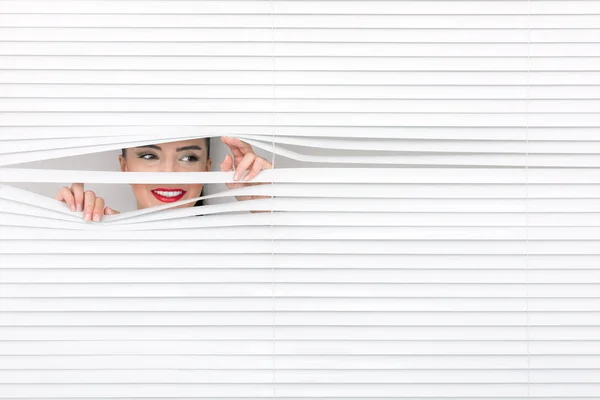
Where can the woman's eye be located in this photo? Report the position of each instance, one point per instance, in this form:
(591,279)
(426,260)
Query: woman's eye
(190,158)
(147,156)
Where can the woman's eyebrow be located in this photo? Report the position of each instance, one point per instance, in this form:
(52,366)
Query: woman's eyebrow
(152,146)
(194,147)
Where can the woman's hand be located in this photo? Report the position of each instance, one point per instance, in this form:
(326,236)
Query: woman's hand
(244,158)
(79,200)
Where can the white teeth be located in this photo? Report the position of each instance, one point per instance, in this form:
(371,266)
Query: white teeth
(168,194)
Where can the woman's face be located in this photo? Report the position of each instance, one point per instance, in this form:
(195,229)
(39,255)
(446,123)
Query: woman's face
(183,156)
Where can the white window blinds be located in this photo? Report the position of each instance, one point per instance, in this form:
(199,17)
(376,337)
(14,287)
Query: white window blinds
(435,215)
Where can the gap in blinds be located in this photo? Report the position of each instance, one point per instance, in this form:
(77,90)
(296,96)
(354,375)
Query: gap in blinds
(433,219)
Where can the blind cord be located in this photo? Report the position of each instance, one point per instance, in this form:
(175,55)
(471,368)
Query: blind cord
(527,195)
(272,258)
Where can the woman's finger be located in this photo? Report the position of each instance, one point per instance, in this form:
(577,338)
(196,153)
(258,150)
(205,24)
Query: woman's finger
(240,144)
(259,165)
(110,211)
(266,163)
(227,166)
(98,209)
(235,150)
(227,163)
(238,147)
(243,165)
(66,196)
(89,201)
(77,190)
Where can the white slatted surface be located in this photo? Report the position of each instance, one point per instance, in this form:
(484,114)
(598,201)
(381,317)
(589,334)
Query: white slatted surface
(457,258)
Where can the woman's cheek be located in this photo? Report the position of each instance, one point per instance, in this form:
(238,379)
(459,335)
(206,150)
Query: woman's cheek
(143,195)
(194,191)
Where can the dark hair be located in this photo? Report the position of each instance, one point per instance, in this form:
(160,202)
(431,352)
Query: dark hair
(199,202)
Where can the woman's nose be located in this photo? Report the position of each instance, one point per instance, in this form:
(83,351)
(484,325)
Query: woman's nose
(169,166)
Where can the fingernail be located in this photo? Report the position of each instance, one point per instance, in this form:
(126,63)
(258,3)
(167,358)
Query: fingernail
(246,177)
(97,217)
(235,177)
(73,207)
(79,207)
(87,217)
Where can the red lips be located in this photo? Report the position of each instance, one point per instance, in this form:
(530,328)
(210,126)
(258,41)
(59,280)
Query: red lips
(168,199)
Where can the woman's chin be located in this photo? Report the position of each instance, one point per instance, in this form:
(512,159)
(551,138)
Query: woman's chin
(153,203)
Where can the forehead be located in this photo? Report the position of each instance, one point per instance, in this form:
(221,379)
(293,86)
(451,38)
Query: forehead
(183,143)
(173,146)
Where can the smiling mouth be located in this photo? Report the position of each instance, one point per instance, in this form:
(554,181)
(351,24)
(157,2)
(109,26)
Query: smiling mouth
(168,195)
